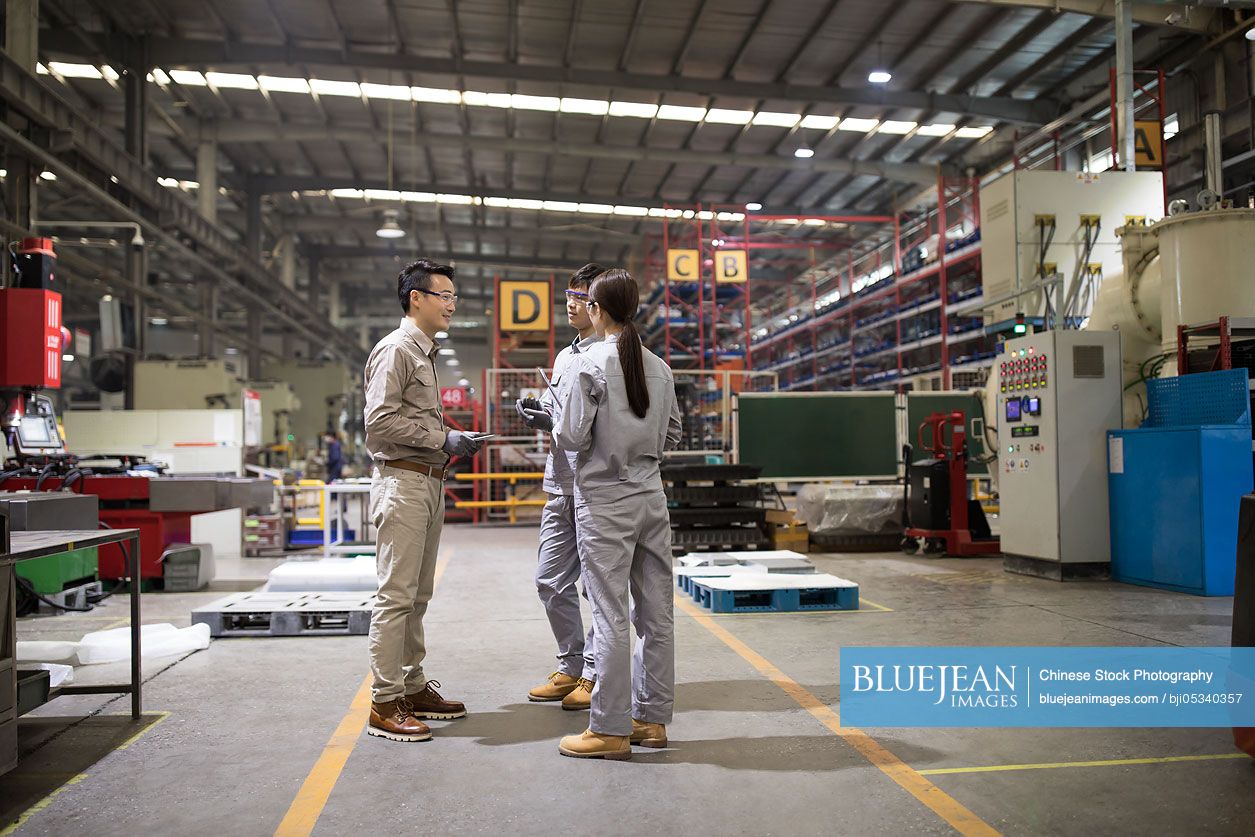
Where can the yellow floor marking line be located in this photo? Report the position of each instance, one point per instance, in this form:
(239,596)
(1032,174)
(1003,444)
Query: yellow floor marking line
(312,798)
(999,768)
(159,716)
(934,798)
(75,777)
(40,805)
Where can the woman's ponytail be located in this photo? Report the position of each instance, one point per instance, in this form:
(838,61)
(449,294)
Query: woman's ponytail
(615,292)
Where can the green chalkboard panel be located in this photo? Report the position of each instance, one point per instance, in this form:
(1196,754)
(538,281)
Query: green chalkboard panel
(818,434)
(920,405)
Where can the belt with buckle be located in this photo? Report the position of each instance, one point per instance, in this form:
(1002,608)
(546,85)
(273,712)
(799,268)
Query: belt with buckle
(429,470)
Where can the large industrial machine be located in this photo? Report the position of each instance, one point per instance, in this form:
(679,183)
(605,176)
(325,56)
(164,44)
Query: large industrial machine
(937,506)
(1058,395)
(131,492)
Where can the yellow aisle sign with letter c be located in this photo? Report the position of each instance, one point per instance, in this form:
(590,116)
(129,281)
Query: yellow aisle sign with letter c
(683,265)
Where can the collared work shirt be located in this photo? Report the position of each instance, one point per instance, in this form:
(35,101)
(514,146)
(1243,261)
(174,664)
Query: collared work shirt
(618,454)
(560,464)
(403,415)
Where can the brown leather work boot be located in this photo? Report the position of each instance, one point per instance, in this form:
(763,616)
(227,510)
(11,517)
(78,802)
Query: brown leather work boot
(594,745)
(429,705)
(649,735)
(581,697)
(393,721)
(557,687)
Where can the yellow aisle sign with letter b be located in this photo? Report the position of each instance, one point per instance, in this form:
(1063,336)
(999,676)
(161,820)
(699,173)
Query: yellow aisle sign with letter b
(731,266)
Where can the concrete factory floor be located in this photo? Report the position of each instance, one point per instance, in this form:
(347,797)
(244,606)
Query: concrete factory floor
(245,733)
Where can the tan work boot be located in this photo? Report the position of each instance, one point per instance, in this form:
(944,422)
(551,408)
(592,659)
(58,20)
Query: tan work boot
(393,721)
(594,745)
(649,735)
(581,697)
(557,687)
(428,704)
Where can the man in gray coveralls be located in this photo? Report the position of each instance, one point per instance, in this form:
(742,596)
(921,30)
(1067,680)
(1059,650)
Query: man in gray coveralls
(558,567)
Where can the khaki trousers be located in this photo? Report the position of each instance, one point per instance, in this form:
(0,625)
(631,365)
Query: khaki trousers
(407,510)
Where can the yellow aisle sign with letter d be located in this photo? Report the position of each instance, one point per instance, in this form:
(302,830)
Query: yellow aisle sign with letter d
(524,306)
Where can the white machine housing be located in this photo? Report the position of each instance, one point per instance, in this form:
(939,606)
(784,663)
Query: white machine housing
(1011,241)
(1053,466)
(186,384)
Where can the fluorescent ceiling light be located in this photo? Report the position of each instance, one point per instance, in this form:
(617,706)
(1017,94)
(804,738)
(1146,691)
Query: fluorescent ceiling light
(487,100)
(729,117)
(731,216)
(561,206)
(463,382)
(47,175)
(815,222)
(879,77)
(168,182)
(346,193)
(158,321)
(973,133)
(442,335)
(419,197)
(525,203)
(681,113)
(41,69)
(436,95)
(596,208)
(856,124)
(803,153)
(706,215)
(159,75)
(892,126)
(323,87)
(448,351)
(459,199)
(640,110)
(548,103)
(110,73)
(821,123)
(239,81)
(592,107)
(188,78)
(776,120)
(68,358)
(283,84)
(451,362)
(934,130)
(382,194)
(753,206)
(632,210)
(74,70)
(396,92)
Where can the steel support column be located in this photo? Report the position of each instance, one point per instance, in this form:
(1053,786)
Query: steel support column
(1124,85)
(207,177)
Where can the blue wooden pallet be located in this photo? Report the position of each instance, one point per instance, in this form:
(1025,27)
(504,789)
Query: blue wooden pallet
(792,600)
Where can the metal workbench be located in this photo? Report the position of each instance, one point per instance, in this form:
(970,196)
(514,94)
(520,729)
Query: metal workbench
(25,546)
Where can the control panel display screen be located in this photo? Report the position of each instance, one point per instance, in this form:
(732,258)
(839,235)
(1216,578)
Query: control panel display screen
(1025,430)
(1013,409)
(1032,405)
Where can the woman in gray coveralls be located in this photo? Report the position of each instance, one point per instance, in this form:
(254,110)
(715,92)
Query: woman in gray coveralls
(618,410)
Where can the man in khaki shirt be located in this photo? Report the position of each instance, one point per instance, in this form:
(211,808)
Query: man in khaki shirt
(411,448)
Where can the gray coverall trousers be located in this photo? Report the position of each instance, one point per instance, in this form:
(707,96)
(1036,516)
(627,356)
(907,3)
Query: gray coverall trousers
(557,570)
(625,546)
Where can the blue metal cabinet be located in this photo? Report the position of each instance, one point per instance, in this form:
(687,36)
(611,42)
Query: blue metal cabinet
(1174,494)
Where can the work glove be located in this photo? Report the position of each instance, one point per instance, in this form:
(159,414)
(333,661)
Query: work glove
(533,414)
(459,443)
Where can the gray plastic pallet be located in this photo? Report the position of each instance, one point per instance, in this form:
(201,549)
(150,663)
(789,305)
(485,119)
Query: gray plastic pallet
(288,614)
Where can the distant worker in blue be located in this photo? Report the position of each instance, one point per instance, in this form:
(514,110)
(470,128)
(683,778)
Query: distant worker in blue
(335,457)
(558,565)
(617,409)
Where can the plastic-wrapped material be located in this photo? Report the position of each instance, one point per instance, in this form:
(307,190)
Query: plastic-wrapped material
(162,640)
(851,509)
(45,651)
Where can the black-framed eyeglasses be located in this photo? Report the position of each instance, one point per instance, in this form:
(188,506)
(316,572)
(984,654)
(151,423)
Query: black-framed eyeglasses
(443,296)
